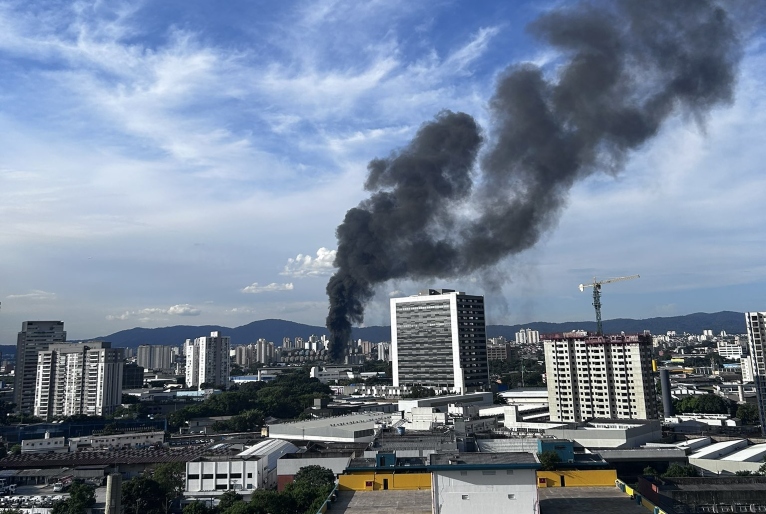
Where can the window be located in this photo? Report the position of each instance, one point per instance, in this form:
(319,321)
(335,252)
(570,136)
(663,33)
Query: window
(249,475)
(221,487)
(464,497)
(464,473)
(235,475)
(207,475)
(511,496)
(220,475)
(193,477)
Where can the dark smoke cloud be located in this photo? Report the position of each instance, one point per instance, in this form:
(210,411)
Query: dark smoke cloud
(628,66)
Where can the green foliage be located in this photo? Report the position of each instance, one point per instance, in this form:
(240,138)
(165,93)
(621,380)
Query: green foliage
(678,470)
(15,449)
(702,404)
(196,508)
(650,471)
(129,399)
(418,391)
(266,501)
(11,511)
(81,497)
(744,473)
(548,460)
(143,495)
(227,500)
(248,421)
(284,397)
(170,477)
(748,414)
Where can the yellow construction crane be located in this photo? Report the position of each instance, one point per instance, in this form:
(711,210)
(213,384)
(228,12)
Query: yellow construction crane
(596,285)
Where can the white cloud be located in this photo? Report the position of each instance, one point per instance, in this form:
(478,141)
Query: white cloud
(35,294)
(308,266)
(254,288)
(152,313)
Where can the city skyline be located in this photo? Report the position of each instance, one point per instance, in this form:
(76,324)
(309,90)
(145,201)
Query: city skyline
(167,165)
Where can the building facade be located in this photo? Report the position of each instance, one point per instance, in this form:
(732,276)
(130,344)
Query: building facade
(78,379)
(527,336)
(35,336)
(756,333)
(207,360)
(608,377)
(155,357)
(730,349)
(439,340)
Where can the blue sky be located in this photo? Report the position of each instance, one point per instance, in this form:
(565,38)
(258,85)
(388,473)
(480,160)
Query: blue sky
(175,162)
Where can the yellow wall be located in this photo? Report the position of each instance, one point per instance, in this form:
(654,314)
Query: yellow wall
(582,478)
(360,481)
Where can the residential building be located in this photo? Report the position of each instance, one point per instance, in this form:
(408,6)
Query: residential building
(756,333)
(599,377)
(35,336)
(78,379)
(155,356)
(500,351)
(439,341)
(207,360)
(244,356)
(746,365)
(527,336)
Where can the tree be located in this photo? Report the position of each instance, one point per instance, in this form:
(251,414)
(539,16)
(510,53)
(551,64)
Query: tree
(678,470)
(81,497)
(143,495)
(650,471)
(170,476)
(268,501)
(227,500)
(548,460)
(748,414)
(195,508)
(418,391)
(15,449)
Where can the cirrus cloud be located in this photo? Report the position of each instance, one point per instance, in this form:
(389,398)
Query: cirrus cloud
(254,288)
(35,294)
(151,313)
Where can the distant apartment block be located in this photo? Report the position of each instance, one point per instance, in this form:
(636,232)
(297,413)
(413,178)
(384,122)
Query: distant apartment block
(756,336)
(78,379)
(500,351)
(746,364)
(155,357)
(35,336)
(599,377)
(439,340)
(527,336)
(207,360)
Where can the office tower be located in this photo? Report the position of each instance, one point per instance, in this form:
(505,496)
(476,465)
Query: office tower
(35,336)
(606,377)
(756,333)
(132,376)
(155,356)
(207,360)
(439,340)
(78,379)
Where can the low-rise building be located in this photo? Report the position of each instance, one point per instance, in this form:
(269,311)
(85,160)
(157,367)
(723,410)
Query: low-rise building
(208,477)
(353,428)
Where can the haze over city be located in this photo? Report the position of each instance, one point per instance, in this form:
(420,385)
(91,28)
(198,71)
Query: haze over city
(185,163)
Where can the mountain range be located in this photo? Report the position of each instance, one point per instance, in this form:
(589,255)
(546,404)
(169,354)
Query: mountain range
(276,329)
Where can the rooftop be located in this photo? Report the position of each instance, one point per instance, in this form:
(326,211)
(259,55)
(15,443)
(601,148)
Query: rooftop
(586,500)
(482,459)
(383,502)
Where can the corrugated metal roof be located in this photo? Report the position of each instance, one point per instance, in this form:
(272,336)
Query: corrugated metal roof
(753,453)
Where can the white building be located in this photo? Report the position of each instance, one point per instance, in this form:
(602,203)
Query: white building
(439,340)
(270,451)
(75,379)
(154,356)
(729,349)
(35,336)
(207,360)
(527,336)
(746,364)
(485,483)
(608,377)
(756,334)
(207,478)
(112,441)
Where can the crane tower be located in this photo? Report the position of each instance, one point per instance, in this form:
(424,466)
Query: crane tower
(596,285)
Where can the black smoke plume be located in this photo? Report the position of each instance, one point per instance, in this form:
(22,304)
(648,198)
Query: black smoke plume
(439,208)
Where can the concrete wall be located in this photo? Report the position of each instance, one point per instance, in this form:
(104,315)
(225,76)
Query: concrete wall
(580,478)
(372,481)
(484,491)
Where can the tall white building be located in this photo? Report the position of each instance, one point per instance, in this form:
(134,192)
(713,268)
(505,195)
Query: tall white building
(729,349)
(746,364)
(74,379)
(154,356)
(35,336)
(439,340)
(208,360)
(756,334)
(599,377)
(527,336)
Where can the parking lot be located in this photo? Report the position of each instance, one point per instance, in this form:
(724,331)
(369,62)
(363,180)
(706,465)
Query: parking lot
(39,499)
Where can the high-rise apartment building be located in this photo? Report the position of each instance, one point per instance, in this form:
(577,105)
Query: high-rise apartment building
(155,356)
(78,379)
(527,336)
(439,340)
(756,337)
(35,336)
(207,360)
(599,377)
